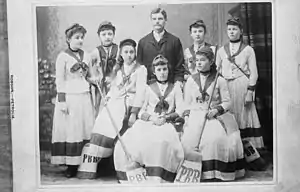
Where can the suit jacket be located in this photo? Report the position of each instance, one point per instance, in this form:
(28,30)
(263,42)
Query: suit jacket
(170,47)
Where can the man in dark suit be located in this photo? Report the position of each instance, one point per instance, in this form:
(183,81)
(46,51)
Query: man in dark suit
(159,41)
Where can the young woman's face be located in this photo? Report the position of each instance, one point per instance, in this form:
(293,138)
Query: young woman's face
(128,54)
(233,32)
(158,21)
(202,63)
(106,37)
(161,72)
(76,41)
(198,34)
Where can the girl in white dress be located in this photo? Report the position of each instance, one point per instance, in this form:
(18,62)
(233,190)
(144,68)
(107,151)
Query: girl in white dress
(73,115)
(125,97)
(220,146)
(238,66)
(153,141)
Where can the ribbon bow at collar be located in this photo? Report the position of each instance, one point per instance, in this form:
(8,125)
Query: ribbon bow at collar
(79,65)
(203,98)
(161,106)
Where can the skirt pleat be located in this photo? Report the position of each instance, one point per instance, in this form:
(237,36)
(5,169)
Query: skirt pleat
(157,148)
(246,116)
(220,146)
(73,130)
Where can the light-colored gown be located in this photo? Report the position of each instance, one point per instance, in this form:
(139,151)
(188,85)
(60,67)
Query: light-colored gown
(220,146)
(127,89)
(73,130)
(157,148)
(238,83)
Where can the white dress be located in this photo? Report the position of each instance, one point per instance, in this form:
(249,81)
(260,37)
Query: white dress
(73,130)
(220,145)
(238,83)
(126,91)
(157,148)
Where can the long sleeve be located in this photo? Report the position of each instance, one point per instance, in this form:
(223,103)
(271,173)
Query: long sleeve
(219,61)
(188,98)
(60,66)
(94,62)
(60,80)
(179,104)
(224,93)
(179,65)
(143,114)
(252,68)
(141,83)
(187,58)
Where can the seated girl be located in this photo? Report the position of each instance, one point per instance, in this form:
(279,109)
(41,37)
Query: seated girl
(125,96)
(153,141)
(220,145)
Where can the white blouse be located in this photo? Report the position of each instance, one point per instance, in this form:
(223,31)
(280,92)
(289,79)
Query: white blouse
(246,60)
(67,81)
(134,88)
(174,99)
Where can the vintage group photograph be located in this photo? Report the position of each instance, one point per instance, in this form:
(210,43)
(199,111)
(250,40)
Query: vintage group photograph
(155,93)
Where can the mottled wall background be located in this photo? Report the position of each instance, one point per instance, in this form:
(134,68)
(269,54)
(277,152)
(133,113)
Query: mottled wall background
(130,21)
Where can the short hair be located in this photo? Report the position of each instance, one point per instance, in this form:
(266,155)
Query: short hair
(75,28)
(159,10)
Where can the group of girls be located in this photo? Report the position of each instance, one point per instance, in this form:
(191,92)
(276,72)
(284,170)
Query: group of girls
(148,115)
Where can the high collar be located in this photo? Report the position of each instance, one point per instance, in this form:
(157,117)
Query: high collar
(161,34)
(235,41)
(162,82)
(205,73)
(72,50)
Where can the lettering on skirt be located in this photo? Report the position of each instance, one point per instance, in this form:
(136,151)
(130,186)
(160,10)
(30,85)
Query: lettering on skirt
(137,175)
(250,151)
(90,159)
(189,172)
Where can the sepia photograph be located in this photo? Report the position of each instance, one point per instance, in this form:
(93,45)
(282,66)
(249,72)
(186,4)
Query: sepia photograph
(155,93)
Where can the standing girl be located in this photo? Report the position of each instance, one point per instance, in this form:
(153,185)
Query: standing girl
(238,66)
(197,32)
(126,95)
(73,115)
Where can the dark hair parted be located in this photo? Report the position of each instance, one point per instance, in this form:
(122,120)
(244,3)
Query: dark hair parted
(75,28)
(120,60)
(159,60)
(235,21)
(209,54)
(198,23)
(159,10)
(106,25)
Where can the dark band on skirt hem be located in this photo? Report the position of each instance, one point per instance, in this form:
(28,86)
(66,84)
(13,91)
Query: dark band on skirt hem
(67,149)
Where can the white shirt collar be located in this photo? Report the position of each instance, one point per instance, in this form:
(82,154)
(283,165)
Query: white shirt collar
(158,36)
(162,87)
(234,47)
